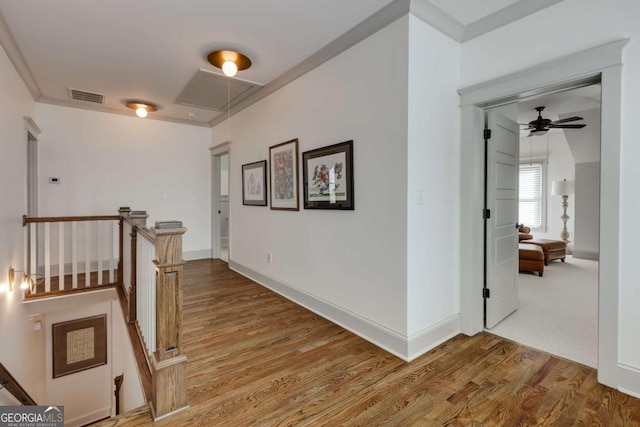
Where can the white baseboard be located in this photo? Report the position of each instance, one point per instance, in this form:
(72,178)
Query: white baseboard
(193,255)
(434,335)
(88,418)
(379,335)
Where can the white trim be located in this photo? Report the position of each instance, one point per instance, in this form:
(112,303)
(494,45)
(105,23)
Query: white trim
(633,369)
(122,112)
(90,417)
(544,77)
(371,331)
(432,336)
(437,18)
(505,16)
(192,255)
(31,126)
(15,56)
(220,148)
(603,62)
(216,198)
(379,20)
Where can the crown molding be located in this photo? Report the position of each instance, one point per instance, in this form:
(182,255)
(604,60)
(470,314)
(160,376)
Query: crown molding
(385,16)
(438,19)
(502,17)
(110,110)
(15,56)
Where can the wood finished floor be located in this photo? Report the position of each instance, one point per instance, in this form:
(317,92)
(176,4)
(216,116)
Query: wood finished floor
(257,359)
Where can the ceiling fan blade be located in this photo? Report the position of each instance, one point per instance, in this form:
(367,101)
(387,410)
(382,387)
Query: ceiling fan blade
(567,126)
(568,119)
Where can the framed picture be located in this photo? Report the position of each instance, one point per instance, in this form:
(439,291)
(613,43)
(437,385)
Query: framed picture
(284,176)
(79,344)
(254,184)
(328,177)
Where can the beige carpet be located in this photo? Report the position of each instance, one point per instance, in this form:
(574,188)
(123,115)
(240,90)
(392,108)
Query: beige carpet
(558,312)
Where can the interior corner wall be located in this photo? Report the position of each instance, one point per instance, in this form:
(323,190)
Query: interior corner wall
(348,263)
(21,349)
(105,161)
(433,186)
(558,31)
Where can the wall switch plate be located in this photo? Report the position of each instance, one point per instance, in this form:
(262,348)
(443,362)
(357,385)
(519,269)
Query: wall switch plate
(420,197)
(269,258)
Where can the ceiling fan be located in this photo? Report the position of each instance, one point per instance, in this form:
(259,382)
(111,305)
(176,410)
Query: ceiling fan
(541,126)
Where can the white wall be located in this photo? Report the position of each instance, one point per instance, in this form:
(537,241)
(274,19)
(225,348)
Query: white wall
(587,202)
(21,350)
(433,175)
(106,161)
(565,28)
(352,261)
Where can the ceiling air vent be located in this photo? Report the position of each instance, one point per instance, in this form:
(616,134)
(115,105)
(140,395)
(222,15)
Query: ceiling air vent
(83,95)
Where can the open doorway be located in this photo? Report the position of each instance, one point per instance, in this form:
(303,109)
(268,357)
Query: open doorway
(558,299)
(220,230)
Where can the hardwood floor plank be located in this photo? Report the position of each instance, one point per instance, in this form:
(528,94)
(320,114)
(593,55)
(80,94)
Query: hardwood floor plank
(257,359)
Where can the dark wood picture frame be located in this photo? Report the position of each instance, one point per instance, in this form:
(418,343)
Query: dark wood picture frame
(89,331)
(283,176)
(328,177)
(254,192)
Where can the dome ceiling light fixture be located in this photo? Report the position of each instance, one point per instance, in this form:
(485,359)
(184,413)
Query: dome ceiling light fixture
(229,61)
(141,108)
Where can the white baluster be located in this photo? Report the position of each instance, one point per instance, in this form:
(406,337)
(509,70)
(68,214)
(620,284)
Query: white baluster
(87,253)
(74,254)
(33,247)
(47,257)
(100,228)
(111,251)
(61,256)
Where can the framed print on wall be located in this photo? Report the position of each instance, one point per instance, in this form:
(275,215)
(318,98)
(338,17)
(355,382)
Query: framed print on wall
(328,177)
(254,184)
(283,176)
(79,344)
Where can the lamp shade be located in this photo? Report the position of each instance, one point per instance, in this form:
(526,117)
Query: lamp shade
(562,188)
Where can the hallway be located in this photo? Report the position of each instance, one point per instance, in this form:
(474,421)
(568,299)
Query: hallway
(255,358)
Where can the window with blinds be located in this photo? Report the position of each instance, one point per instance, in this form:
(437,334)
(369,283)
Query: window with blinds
(531,196)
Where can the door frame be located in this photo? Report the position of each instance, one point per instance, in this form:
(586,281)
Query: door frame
(216,152)
(601,64)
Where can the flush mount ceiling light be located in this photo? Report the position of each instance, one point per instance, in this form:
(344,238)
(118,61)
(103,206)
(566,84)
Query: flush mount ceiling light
(141,108)
(229,61)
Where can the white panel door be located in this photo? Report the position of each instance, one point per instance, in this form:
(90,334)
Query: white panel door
(502,234)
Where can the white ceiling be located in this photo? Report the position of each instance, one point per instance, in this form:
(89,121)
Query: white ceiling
(149,50)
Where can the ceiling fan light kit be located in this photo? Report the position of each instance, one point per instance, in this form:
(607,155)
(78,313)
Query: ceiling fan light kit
(141,108)
(540,126)
(229,61)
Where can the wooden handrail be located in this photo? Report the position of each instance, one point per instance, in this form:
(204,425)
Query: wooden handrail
(13,386)
(28,220)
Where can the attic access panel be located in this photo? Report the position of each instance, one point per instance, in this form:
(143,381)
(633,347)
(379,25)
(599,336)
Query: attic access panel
(210,90)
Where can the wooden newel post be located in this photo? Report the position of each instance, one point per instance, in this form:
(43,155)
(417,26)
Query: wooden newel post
(169,372)
(123,212)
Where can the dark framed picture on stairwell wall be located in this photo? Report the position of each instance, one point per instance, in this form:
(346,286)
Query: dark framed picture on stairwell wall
(328,177)
(79,344)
